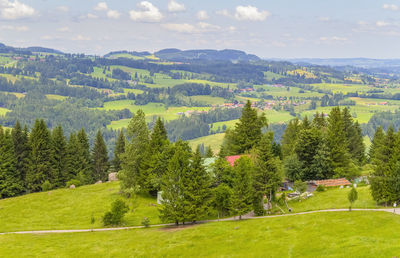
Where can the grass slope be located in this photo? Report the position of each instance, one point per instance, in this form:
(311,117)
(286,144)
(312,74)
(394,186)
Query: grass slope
(335,198)
(70,209)
(214,141)
(336,234)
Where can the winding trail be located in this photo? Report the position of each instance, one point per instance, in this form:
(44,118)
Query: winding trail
(397,211)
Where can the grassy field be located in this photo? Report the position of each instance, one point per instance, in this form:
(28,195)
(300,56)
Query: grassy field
(335,198)
(4,111)
(126,55)
(151,110)
(70,208)
(214,141)
(338,234)
(362,112)
(55,97)
(208,100)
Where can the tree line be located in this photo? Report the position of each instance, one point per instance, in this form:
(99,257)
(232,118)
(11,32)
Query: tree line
(40,159)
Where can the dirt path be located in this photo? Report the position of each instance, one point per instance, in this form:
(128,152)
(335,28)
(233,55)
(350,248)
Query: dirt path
(200,222)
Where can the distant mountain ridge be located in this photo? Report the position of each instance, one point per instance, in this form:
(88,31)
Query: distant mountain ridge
(174,54)
(356,62)
(27,50)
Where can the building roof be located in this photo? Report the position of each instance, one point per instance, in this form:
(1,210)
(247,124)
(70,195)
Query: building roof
(232,159)
(333,182)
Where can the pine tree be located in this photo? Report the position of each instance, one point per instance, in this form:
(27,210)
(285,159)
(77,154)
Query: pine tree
(289,137)
(267,174)
(73,158)
(136,152)
(85,175)
(41,168)
(10,180)
(100,162)
(337,143)
(321,166)
(222,199)
(59,151)
(155,164)
(118,151)
(242,186)
(247,132)
(377,144)
(354,137)
(173,205)
(306,149)
(196,189)
(21,150)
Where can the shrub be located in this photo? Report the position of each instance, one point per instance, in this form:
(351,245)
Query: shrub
(74,182)
(320,188)
(300,186)
(115,216)
(46,186)
(146,222)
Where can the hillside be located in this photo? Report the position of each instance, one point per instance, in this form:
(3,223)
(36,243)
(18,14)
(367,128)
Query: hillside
(355,234)
(71,208)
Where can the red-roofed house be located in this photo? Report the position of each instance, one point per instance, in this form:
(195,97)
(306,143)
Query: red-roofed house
(333,182)
(232,159)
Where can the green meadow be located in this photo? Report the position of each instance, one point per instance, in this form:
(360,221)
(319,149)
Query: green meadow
(71,208)
(334,234)
(214,141)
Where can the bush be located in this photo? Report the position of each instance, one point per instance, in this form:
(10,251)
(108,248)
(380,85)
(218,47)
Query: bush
(320,188)
(300,186)
(146,222)
(46,186)
(74,182)
(117,213)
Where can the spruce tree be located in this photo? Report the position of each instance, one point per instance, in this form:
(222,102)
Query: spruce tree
(136,152)
(85,175)
(59,151)
(242,186)
(377,144)
(289,137)
(321,166)
(196,189)
(100,162)
(173,189)
(41,167)
(10,180)
(247,132)
(21,150)
(155,165)
(118,151)
(267,174)
(73,158)
(306,149)
(337,143)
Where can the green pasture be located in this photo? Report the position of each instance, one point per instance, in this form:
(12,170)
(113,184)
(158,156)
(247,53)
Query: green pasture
(71,208)
(335,234)
(214,141)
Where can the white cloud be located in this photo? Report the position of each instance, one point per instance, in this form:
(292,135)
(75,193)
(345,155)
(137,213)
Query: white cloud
(391,7)
(63,8)
(200,27)
(382,23)
(324,19)
(47,37)
(101,6)
(12,10)
(232,28)
(14,28)
(113,14)
(334,38)
(81,38)
(204,27)
(179,27)
(92,16)
(174,6)
(202,15)
(147,13)
(250,13)
(223,12)
(64,29)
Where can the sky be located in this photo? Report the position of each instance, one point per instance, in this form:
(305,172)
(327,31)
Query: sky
(267,28)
